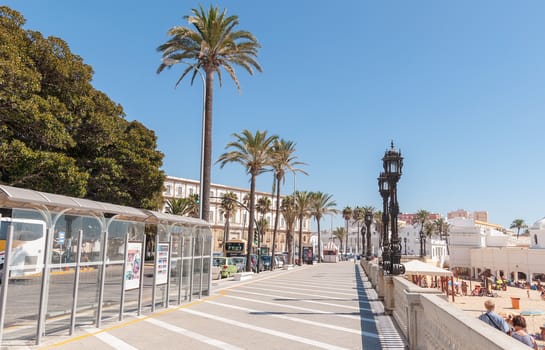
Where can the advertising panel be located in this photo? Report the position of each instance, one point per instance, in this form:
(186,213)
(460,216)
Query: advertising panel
(134,264)
(161,267)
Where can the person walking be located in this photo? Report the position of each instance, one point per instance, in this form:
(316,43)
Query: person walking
(492,318)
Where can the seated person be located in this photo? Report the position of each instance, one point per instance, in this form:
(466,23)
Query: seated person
(519,333)
(493,318)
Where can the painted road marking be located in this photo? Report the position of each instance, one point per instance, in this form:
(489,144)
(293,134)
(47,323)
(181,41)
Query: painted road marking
(300,320)
(265,330)
(329,313)
(109,339)
(193,335)
(296,299)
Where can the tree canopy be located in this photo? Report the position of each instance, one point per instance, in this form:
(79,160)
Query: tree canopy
(59,134)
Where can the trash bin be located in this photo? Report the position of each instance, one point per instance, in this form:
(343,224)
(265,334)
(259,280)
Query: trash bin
(515,303)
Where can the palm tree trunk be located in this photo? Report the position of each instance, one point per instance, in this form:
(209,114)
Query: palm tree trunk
(319,242)
(207,151)
(346,239)
(251,224)
(226,232)
(276,218)
(368,234)
(300,240)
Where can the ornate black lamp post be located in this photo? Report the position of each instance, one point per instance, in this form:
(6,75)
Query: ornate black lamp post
(384,190)
(368,219)
(393,163)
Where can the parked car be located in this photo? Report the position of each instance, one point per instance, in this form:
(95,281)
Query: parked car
(240,261)
(280,260)
(226,266)
(267,262)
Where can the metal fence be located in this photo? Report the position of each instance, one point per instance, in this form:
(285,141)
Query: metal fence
(68,262)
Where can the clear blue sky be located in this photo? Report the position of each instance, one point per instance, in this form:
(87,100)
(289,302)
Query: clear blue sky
(459,86)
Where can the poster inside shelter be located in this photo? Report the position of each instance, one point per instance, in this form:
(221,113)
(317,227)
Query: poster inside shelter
(162,263)
(134,264)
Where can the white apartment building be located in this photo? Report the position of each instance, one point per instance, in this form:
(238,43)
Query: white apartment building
(176,187)
(477,246)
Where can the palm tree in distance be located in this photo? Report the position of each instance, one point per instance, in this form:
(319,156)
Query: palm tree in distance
(290,216)
(252,151)
(282,161)
(322,204)
(442,228)
(421,217)
(357,216)
(340,233)
(263,206)
(228,205)
(177,206)
(303,200)
(211,44)
(347,215)
(519,224)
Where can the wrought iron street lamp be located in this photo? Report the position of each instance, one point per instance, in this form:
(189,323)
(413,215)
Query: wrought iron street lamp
(368,219)
(393,164)
(384,191)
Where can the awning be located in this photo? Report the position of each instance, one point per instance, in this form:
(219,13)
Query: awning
(417,267)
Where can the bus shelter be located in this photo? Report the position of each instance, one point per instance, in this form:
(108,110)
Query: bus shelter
(70,262)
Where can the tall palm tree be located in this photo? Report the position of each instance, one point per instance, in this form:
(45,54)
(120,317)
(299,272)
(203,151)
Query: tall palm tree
(178,206)
(322,204)
(282,161)
(263,206)
(303,200)
(289,213)
(252,152)
(518,224)
(246,203)
(442,228)
(368,210)
(347,215)
(228,205)
(340,234)
(421,217)
(210,45)
(357,216)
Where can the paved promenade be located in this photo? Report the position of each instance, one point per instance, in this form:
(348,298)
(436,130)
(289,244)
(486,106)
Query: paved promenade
(325,306)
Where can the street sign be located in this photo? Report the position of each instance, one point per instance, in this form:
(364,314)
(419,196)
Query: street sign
(60,237)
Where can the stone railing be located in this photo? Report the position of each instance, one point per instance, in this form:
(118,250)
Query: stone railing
(429,321)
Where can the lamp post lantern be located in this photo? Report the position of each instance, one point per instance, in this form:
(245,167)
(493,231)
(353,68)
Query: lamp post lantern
(393,164)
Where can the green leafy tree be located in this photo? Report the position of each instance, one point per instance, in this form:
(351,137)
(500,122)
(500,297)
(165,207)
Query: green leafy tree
(252,151)
(321,204)
(58,134)
(282,161)
(519,224)
(212,44)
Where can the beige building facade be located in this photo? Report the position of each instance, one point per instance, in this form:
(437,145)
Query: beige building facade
(176,187)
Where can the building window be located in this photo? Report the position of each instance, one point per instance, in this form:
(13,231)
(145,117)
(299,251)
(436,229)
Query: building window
(190,192)
(179,191)
(168,189)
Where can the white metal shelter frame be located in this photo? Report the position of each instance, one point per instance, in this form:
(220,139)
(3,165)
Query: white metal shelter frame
(94,262)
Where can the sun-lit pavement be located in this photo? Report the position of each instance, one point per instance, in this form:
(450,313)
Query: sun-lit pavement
(325,306)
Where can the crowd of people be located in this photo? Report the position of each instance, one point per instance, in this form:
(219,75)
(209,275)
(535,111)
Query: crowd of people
(515,326)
